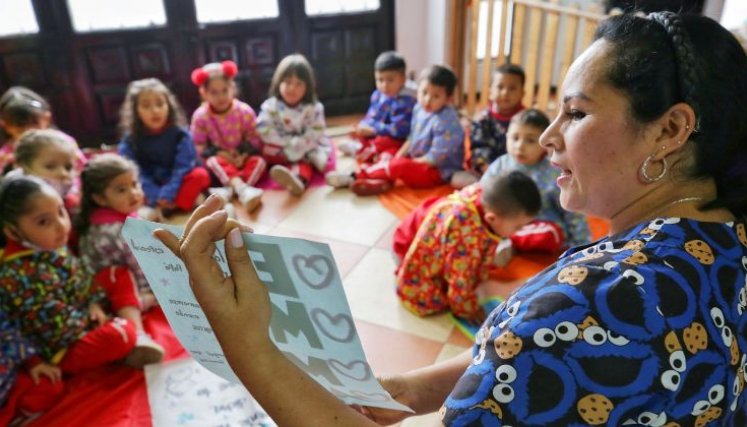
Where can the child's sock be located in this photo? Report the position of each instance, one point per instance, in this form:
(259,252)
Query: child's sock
(250,197)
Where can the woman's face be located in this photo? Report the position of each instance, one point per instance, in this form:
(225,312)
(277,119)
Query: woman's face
(595,141)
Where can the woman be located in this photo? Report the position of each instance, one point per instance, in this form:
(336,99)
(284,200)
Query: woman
(645,327)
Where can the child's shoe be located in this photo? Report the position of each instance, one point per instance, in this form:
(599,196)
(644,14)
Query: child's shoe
(319,157)
(370,187)
(230,210)
(283,176)
(225,193)
(339,179)
(250,197)
(349,147)
(145,352)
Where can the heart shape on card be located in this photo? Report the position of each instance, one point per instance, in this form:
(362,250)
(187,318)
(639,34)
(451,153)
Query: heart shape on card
(357,369)
(339,327)
(315,270)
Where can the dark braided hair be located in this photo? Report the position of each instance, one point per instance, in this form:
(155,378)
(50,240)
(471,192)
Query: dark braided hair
(673,58)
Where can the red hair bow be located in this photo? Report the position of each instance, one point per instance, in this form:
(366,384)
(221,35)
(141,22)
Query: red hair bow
(227,69)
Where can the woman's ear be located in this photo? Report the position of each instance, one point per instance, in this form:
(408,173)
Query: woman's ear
(674,129)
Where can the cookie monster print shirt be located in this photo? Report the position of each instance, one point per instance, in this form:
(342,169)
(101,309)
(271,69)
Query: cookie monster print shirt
(644,328)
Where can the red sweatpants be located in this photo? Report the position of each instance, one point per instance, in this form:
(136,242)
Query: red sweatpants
(377,148)
(107,343)
(252,170)
(119,285)
(193,183)
(538,235)
(413,174)
(30,398)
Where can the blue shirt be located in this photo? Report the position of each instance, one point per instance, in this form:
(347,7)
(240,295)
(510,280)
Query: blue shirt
(574,225)
(390,116)
(439,138)
(647,327)
(164,159)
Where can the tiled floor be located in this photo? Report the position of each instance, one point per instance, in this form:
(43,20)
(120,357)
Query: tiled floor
(359,232)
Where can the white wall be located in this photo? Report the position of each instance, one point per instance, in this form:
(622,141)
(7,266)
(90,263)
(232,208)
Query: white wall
(420,32)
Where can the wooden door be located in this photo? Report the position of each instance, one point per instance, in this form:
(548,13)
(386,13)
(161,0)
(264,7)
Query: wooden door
(85,74)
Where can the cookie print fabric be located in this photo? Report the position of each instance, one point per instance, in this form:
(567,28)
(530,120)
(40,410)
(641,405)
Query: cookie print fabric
(647,327)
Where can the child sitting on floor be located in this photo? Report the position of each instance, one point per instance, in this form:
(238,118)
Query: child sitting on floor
(433,153)
(154,137)
(291,125)
(387,123)
(22,109)
(53,297)
(50,155)
(447,246)
(224,130)
(555,227)
(487,133)
(111,194)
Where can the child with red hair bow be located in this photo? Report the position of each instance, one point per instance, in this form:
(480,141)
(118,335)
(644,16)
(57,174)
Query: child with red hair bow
(224,131)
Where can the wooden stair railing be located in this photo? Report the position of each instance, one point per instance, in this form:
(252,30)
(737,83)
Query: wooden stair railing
(535,39)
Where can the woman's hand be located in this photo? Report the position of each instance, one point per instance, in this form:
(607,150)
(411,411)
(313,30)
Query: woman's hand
(238,299)
(45,370)
(402,391)
(97,314)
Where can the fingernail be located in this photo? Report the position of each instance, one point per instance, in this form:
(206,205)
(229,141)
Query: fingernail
(210,197)
(234,237)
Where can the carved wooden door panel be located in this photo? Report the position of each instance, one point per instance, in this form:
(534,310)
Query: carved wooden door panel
(84,74)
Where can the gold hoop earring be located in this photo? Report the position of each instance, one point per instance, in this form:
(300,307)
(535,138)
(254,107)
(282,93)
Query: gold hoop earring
(643,171)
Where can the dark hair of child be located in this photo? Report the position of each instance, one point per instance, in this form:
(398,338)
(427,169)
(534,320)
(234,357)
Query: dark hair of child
(15,194)
(440,75)
(512,69)
(96,176)
(511,193)
(531,117)
(298,66)
(34,140)
(130,122)
(22,107)
(390,61)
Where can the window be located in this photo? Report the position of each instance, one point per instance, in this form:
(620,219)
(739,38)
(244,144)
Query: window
(209,11)
(17,18)
(328,7)
(482,30)
(93,15)
(734,14)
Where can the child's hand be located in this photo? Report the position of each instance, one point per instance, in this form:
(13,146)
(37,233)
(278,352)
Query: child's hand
(239,159)
(165,204)
(45,370)
(97,314)
(225,155)
(366,131)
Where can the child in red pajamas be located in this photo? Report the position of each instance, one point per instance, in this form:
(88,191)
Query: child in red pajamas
(456,238)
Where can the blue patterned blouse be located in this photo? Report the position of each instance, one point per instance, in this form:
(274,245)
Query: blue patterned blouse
(647,327)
